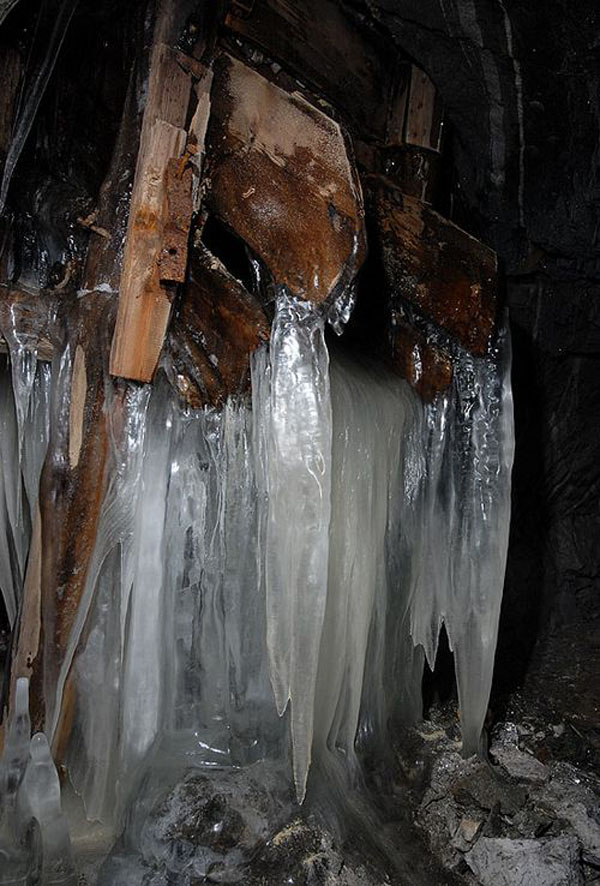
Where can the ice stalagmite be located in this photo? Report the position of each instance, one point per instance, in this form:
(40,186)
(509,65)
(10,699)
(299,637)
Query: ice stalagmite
(39,799)
(30,804)
(292,398)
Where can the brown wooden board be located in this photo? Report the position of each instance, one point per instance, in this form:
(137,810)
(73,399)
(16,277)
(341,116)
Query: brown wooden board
(145,304)
(431,263)
(279,175)
(213,333)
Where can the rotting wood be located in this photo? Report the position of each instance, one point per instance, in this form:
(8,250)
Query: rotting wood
(172,262)
(432,264)
(349,65)
(280,176)
(426,367)
(214,331)
(144,303)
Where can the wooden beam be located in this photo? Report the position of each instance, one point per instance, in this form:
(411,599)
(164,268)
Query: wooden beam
(215,329)
(280,176)
(145,300)
(423,113)
(435,266)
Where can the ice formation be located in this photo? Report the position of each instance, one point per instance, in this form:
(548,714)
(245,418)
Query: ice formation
(285,564)
(34,836)
(292,399)
(24,427)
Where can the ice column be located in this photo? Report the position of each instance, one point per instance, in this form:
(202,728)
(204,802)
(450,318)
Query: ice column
(292,397)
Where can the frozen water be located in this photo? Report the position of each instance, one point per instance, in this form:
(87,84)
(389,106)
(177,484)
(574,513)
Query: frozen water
(455,528)
(372,414)
(39,799)
(24,428)
(303,553)
(292,398)
(34,837)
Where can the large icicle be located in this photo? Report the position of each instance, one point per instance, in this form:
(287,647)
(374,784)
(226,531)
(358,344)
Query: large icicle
(293,400)
(455,534)
(372,411)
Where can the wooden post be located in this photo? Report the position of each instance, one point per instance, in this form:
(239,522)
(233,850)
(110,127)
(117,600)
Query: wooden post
(146,284)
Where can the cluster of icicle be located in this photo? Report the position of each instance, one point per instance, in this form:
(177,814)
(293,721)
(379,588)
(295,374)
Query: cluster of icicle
(289,564)
(34,836)
(385,520)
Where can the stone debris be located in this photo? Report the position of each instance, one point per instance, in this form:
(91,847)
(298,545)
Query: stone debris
(503,862)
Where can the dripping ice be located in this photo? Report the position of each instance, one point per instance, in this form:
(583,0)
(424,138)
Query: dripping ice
(281,566)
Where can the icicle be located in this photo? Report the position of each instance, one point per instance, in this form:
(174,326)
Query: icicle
(295,405)
(24,416)
(371,411)
(14,862)
(100,629)
(455,534)
(30,790)
(145,650)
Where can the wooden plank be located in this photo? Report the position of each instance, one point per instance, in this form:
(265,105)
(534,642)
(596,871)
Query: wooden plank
(423,113)
(144,302)
(279,175)
(215,329)
(321,45)
(432,264)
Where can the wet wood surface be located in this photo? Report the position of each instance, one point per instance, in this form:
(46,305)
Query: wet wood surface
(280,177)
(214,331)
(426,367)
(435,266)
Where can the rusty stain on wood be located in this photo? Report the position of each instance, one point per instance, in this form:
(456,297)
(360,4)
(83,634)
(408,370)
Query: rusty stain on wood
(279,175)
(431,263)
(172,262)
